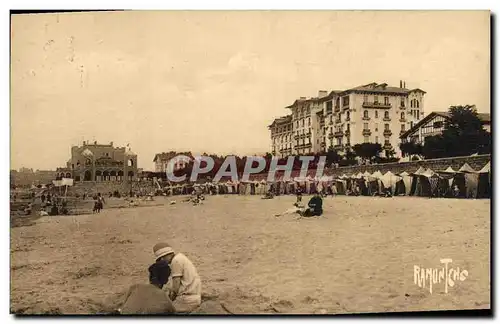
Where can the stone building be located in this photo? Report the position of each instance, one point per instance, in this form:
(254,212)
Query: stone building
(162,160)
(371,113)
(100,162)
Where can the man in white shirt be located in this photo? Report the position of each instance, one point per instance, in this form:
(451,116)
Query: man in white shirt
(185,290)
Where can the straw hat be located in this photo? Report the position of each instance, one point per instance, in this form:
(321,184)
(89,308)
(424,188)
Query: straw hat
(162,249)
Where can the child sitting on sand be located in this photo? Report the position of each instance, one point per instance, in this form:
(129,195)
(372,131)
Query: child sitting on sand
(149,298)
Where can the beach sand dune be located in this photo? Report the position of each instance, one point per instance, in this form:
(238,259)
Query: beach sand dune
(359,257)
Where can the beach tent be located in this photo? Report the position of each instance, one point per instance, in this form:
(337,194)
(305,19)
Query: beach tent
(484,182)
(403,186)
(377,174)
(367,174)
(467,180)
(389,181)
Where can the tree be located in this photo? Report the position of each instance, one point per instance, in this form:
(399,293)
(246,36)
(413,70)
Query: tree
(367,151)
(332,156)
(410,148)
(463,135)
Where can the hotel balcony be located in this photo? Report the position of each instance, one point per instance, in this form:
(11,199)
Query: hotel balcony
(366,118)
(307,145)
(296,137)
(401,132)
(308,134)
(338,147)
(337,109)
(403,120)
(323,144)
(348,119)
(302,136)
(339,133)
(367,132)
(387,146)
(387,132)
(330,135)
(387,119)
(330,122)
(378,105)
(402,107)
(347,132)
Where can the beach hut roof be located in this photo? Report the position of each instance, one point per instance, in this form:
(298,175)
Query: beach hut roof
(449,170)
(428,173)
(486,168)
(466,168)
(419,171)
(404,173)
(377,174)
(367,173)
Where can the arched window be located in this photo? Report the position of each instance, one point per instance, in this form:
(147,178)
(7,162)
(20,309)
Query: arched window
(68,175)
(386,114)
(87,176)
(411,103)
(416,101)
(130,162)
(365,114)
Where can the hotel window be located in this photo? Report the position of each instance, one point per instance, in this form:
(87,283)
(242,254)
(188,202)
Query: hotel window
(376,113)
(376,127)
(387,142)
(337,103)
(302,122)
(411,124)
(309,121)
(403,127)
(348,126)
(438,124)
(365,98)
(297,123)
(331,118)
(339,141)
(402,102)
(417,104)
(367,139)
(365,114)
(386,114)
(376,139)
(402,115)
(418,113)
(386,100)
(345,101)
(375,101)
(365,126)
(386,126)
(347,115)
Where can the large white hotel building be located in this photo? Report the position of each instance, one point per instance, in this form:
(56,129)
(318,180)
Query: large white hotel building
(371,113)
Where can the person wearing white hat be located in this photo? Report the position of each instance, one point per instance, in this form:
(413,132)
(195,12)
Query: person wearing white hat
(185,290)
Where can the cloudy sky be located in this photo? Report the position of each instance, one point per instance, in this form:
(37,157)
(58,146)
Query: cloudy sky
(213,81)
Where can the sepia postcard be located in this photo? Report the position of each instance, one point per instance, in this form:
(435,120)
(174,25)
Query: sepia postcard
(250,162)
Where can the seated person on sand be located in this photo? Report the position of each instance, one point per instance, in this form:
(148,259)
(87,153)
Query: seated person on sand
(294,210)
(149,298)
(268,195)
(185,283)
(315,206)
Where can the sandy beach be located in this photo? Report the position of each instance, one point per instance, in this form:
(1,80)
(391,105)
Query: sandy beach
(359,257)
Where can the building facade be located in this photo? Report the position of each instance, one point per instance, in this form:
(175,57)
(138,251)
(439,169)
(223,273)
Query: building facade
(161,161)
(371,113)
(434,124)
(100,162)
(281,136)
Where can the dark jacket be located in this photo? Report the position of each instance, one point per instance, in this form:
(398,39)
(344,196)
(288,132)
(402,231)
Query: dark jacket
(316,203)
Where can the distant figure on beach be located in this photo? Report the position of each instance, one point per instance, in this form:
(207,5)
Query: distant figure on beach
(268,195)
(149,298)
(298,193)
(185,289)
(315,206)
(456,191)
(99,203)
(42,197)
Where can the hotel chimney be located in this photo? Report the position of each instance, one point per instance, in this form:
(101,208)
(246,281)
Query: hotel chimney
(401,83)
